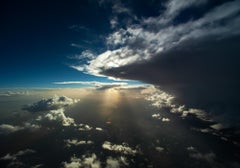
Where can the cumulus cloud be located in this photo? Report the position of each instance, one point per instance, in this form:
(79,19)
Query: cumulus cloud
(187,57)
(75,142)
(165,119)
(217,126)
(84,127)
(159,117)
(16,155)
(15,159)
(84,161)
(123,148)
(8,128)
(53,103)
(161,99)
(209,157)
(159,148)
(57,115)
(116,162)
(99,129)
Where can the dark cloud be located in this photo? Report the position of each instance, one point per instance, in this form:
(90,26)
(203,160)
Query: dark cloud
(201,73)
(196,60)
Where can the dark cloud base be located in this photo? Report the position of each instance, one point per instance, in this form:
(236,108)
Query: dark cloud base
(202,73)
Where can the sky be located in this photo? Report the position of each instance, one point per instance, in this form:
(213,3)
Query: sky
(189,49)
(123,83)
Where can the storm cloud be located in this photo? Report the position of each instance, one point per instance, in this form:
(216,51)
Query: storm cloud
(195,59)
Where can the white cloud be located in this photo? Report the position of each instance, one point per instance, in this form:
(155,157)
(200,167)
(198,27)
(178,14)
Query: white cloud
(14,93)
(74,163)
(84,127)
(157,116)
(57,115)
(161,99)
(197,112)
(92,83)
(7,128)
(116,162)
(159,148)
(99,129)
(75,142)
(209,157)
(123,148)
(53,103)
(14,157)
(217,126)
(114,22)
(112,163)
(85,55)
(118,8)
(165,119)
(117,38)
(84,161)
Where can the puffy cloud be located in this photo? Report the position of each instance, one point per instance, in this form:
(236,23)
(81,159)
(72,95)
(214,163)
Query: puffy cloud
(53,109)
(19,153)
(74,163)
(75,142)
(158,116)
(123,148)
(99,129)
(165,119)
(86,54)
(84,127)
(15,158)
(116,162)
(210,157)
(57,115)
(8,128)
(217,126)
(159,148)
(53,103)
(112,163)
(84,161)
(161,99)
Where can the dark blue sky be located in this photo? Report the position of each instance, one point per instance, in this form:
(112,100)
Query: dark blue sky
(36,38)
(40,38)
